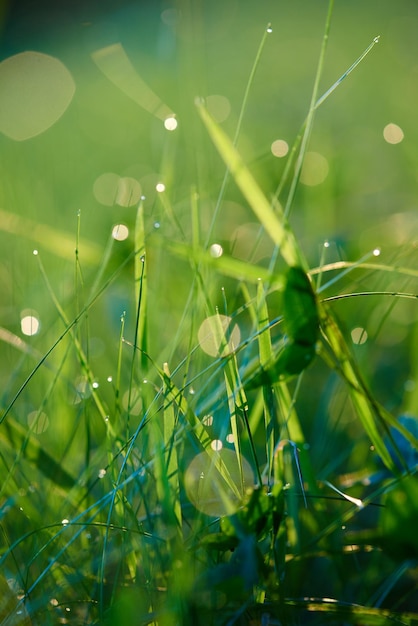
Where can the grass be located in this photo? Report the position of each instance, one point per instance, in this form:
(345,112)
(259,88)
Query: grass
(253,470)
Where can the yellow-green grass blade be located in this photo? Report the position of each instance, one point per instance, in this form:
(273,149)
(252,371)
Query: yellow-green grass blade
(225,264)
(366,409)
(273,222)
(49,238)
(266,356)
(171,460)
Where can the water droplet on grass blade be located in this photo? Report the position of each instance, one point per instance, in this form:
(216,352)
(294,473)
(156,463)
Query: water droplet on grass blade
(269,28)
(216,250)
(170,123)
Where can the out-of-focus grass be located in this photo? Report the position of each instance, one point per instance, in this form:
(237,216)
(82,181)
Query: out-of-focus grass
(118,312)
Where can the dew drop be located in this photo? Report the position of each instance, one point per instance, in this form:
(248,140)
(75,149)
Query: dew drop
(326,244)
(160,187)
(157,224)
(376,39)
(376,252)
(109,379)
(216,250)
(269,28)
(170,123)
(95,385)
(143,198)
(102,473)
(35,253)
(65,522)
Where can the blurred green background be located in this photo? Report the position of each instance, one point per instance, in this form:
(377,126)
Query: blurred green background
(183,50)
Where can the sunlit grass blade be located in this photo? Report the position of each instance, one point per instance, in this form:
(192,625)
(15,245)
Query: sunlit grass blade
(117,67)
(266,357)
(141,291)
(365,406)
(224,264)
(49,238)
(69,327)
(353,613)
(83,359)
(171,459)
(17,438)
(273,222)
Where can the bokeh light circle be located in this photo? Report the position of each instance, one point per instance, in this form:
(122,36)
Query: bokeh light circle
(315,169)
(208,489)
(110,189)
(35,91)
(38,422)
(279,148)
(29,323)
(215,336)
(392,133)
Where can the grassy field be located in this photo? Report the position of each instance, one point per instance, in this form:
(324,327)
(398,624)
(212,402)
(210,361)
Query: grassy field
(208,244)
